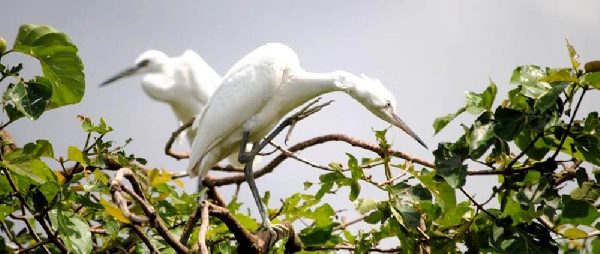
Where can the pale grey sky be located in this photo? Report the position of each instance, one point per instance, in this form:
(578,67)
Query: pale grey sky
(427,52)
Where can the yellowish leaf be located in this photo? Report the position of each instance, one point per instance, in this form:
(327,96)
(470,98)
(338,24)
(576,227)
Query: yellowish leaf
(575,233)
(77,188)
(572,55)
(178,182)
(61,178)
(113,211)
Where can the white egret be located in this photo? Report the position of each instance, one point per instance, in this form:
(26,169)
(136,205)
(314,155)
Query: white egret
(185,82)
(257,92)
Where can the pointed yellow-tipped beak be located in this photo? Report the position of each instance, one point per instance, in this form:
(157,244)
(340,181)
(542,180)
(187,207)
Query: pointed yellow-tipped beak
(126,73)
(396,121)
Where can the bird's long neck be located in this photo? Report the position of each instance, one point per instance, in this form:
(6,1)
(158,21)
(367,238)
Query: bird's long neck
(308,85)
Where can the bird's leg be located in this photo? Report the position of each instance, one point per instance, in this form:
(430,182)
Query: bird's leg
(304,111)
(261,208)
(244,157)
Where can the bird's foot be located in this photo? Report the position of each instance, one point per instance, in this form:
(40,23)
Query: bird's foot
(304,113)
(274,232)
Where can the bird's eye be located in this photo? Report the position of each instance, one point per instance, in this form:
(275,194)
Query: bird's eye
(144,63)
(388,105)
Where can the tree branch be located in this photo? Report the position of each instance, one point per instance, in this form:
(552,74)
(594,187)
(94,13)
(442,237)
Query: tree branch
(116,186)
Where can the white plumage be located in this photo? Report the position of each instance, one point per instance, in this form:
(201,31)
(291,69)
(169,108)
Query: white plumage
(257,92)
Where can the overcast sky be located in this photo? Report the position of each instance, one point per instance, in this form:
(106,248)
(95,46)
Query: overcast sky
(427,52)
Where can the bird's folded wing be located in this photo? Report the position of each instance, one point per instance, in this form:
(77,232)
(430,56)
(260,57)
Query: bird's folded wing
(244,91)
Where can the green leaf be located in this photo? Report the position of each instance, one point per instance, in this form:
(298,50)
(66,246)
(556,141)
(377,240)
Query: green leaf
(354,190)
(73,230)
(528,78)
(589,146)
(316,235)
(592,79)
(374,217)
(29,98)
(355,169)
(445,196)
(74,154)
(548,99)
(482,137)
(578,212)
(561,75)
(23,169)
(478,103)
(365,205)
(60,63)
(419,193)
(323,214)
(575,233)
(448,164)
(410,215)
(518,213)
(441,122)
(509,123)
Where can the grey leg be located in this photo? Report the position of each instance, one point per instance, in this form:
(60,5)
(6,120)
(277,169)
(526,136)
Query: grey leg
(244,157)
(261,208)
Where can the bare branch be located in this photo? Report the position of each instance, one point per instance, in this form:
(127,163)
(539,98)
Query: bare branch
(145,239)
(33,247)
(203,228)
(116,186)
(168,147)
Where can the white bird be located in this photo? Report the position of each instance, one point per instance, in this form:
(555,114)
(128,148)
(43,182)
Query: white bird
(257,92)
(185,82)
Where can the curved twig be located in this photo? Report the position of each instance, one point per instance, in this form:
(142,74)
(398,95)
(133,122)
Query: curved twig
(168,147)
(116,187)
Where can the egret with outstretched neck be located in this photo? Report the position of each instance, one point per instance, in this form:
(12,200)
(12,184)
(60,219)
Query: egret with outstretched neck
(256,93)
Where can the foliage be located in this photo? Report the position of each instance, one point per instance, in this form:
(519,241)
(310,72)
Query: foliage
(533,142)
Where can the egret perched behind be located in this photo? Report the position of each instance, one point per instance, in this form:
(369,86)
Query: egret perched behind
(256,93)
(185,82)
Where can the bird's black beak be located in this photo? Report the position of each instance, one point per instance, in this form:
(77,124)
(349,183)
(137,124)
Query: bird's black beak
(400,124)
(126,73)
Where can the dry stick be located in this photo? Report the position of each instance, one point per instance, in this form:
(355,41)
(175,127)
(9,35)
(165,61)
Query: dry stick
(408,164)
(16,192)
(350,223)
(240,178)
(195,216)
(189,225)
(33,247)
(480,207)
(145,239)
(569,173)
(351,248)
(116,186)
(203,228)
(169,151)
(10,235)
(243,236)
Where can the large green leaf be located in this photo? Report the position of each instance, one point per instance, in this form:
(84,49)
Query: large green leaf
(28,98)
(448,164)
(60,63)
(74,231)
(578,212)
(509,123)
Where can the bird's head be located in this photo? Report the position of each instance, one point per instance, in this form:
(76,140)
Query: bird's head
(381,102)
(149,61)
